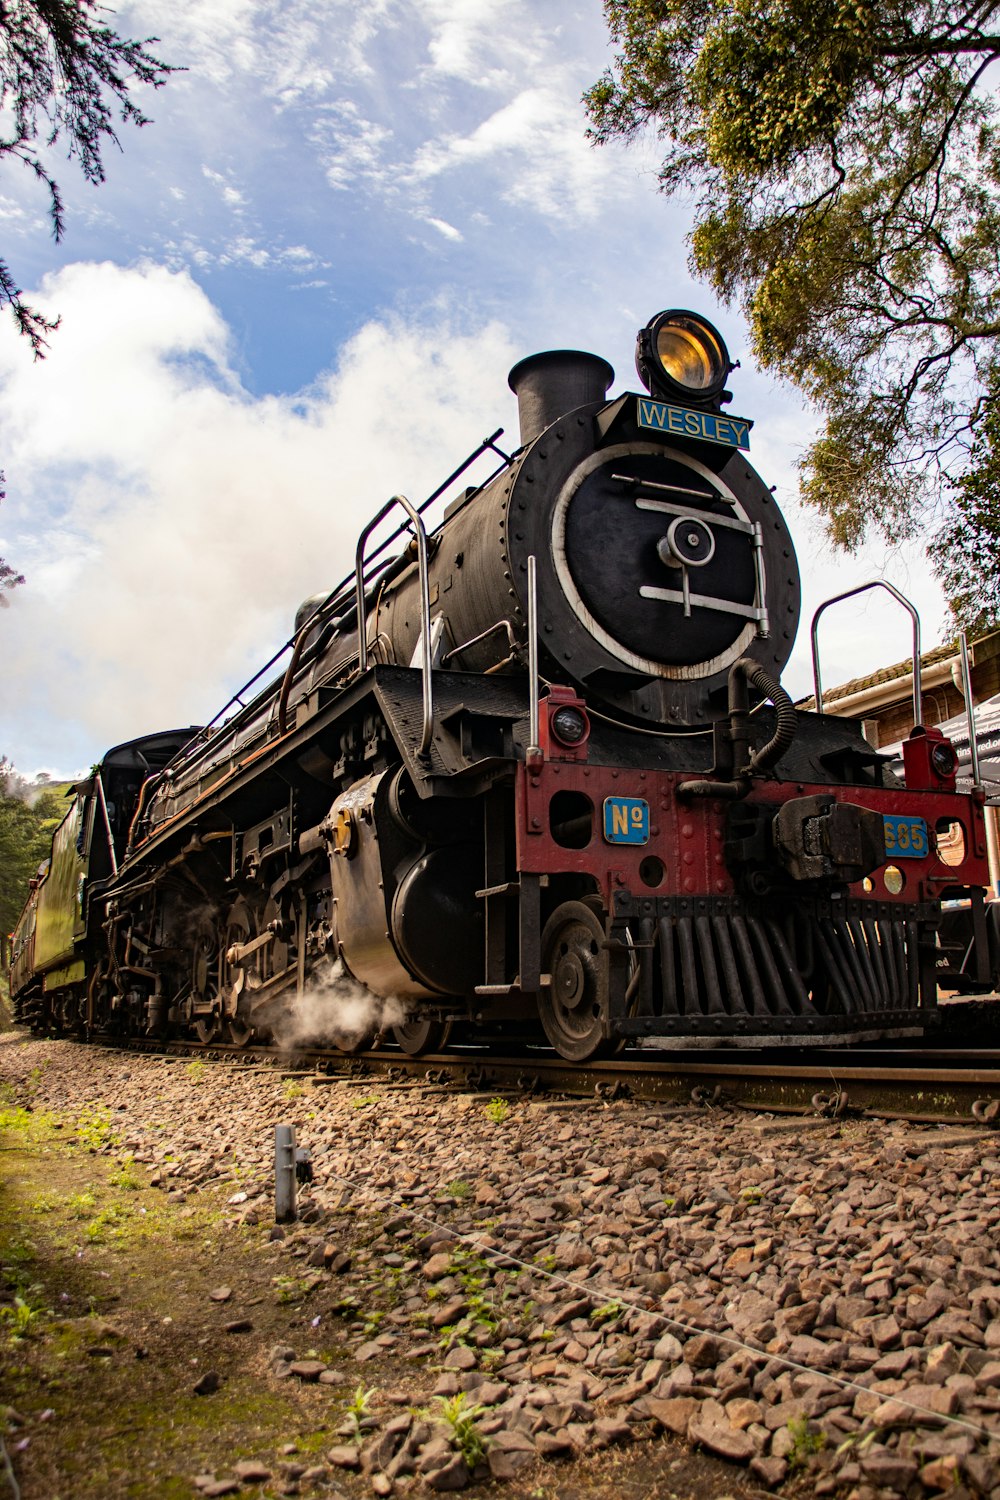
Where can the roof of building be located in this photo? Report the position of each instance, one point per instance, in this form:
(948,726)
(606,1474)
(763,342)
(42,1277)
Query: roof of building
(884,674)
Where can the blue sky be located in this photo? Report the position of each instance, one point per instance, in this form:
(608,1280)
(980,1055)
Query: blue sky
(299,290)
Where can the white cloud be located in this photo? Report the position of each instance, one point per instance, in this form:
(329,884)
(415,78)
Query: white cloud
(231,196)
(448,230)
(351,148)
(169,523)
(536,144)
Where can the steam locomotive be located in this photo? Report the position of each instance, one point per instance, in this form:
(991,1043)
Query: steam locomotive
(534,765)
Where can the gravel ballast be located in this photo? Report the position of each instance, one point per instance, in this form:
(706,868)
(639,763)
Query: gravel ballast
(815,1302)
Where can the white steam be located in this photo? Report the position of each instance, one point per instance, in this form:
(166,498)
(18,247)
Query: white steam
(335,1008)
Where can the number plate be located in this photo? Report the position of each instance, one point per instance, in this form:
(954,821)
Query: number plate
(905,838)
(626,820)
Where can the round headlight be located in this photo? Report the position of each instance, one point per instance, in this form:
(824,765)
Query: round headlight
(944,760)
(569,725)
(682,356)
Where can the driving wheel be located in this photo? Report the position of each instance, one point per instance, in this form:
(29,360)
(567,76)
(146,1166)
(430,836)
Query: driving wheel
(573,1002)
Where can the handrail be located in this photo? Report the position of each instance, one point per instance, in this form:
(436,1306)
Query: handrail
(862,588)
(425,607)
(533,709)
(970,711)
(205,735)
(107,823)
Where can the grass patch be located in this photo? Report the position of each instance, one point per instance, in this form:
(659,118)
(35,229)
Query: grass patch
(105,1320)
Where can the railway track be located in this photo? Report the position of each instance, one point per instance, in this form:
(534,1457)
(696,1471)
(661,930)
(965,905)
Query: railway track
(946,1083)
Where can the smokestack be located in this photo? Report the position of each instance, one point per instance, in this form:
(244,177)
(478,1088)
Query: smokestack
(549,385)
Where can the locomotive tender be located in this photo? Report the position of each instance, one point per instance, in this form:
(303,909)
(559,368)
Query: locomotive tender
(535,766)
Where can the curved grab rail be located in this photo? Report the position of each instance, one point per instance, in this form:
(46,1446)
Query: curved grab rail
(863,588)
(427,731)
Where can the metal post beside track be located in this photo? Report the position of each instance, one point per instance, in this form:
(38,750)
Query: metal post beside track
(285,1211)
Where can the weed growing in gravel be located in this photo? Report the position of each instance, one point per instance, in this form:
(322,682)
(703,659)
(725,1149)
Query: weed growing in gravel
(498,1110)
(359,1410)
(752,1195)
(108,1224)
(292,1089)
(346,1307)
(805,1442)
(126,1177)
(463,1433)
(289,1288)
(17,1255)
(607,1313)
(95,1131)
(34,1079)
(22,1315)
(196,1069)
(14,1118)
(369,1099)
(458,1188)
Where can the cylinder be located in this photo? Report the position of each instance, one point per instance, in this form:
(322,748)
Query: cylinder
(285,1211)
(549,385)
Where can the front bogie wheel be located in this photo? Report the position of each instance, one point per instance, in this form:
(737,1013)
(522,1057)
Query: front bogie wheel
(573,1000)
(419,1037)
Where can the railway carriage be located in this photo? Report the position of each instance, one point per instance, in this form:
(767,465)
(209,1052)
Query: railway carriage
(533,766)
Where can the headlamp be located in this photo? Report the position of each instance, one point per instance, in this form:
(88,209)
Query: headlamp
(681,357)
(944,760)
(569,725)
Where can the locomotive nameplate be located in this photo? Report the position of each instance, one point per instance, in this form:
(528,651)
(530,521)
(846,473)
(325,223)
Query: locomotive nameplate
(905,838)
(709,426)
(626,820)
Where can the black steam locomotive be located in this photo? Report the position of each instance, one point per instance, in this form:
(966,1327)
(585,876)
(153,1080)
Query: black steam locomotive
(532,766)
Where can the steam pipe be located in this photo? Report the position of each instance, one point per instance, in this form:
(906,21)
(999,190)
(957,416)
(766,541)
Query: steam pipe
(741,674)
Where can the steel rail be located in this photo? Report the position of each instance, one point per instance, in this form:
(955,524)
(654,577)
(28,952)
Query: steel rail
(823,1083)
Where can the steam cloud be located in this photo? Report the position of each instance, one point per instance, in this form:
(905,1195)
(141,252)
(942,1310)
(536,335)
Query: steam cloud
(336,1008)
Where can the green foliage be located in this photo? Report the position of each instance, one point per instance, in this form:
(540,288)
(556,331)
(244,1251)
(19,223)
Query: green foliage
(291,1089)
(21,1316)
(359,1411)
(64,76)
(457,1188)
(460,1420)
(608,1313)
(29,811)
(289,1289)
(844,162)
(95,1130)
(969,538)
(126,1177)
(498,1110)
(806,1440)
